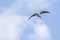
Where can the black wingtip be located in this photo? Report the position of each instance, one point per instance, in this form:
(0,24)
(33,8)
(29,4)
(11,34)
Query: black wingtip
(45,12)
(28,19)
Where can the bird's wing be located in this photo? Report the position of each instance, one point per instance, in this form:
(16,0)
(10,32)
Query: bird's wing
(32,16)
(40,16)
(44,12)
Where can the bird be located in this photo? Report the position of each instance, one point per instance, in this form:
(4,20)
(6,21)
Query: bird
(38,14)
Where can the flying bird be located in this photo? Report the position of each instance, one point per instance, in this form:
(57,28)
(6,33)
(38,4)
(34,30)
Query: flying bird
(38,14)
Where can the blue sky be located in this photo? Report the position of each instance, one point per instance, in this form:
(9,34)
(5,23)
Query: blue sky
(21,8)
(54,22)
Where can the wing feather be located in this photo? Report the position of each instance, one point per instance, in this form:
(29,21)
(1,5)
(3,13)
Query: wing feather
(44,12)
(40,16)
(32,16)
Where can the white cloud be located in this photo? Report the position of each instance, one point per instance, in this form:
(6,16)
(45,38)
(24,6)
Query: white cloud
(12,25)
(42,31)
(8,27)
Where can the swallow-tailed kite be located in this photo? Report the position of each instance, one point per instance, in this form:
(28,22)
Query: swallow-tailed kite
(38,14)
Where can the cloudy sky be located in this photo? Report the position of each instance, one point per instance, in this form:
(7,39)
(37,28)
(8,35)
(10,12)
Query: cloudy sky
(14,23)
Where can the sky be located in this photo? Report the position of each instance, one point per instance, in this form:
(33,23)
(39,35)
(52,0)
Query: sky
(14,23)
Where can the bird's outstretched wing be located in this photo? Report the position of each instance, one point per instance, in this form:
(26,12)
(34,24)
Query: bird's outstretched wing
(33,15)
(44,12)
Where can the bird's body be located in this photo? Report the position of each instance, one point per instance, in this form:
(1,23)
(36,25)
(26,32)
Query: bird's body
(38,14)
